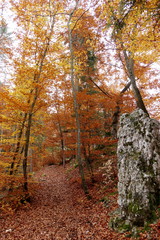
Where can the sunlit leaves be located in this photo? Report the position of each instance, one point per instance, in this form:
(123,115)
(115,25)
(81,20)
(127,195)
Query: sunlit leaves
(137,25)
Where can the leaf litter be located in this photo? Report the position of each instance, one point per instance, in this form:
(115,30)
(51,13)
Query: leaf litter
(59,210)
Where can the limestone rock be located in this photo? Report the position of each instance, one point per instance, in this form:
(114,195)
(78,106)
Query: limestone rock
(138,167)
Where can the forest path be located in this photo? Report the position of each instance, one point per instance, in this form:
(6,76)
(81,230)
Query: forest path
(59,211)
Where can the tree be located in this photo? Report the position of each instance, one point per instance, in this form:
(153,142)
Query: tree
(128,19)
(32,66)
(76,108)
(82,44)
(77,65)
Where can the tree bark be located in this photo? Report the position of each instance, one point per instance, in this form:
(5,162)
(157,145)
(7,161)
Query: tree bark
(27,139)
(27,136)
(116,114)
(62,143)
(130,68)
(18,144)
(35,93)
(75,102)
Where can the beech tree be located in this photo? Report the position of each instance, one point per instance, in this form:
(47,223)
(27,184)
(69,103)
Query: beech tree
(31,66)
(82,44)
(76,107)
(75,63)
(128,19)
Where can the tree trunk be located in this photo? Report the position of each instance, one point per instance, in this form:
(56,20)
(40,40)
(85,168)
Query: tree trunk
(27,138)
(18,144)
(19,161)
(62,143)
(116,114)
(130,68)
(88,162)
(75,102)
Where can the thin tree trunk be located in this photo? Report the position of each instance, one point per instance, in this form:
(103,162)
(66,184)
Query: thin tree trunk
(129,63)
(88,163)
(18,144)
(19,161)
(35,92)
(130,68)
(27,136)
(62,143)
(116,114)
(27,140)
(76,107)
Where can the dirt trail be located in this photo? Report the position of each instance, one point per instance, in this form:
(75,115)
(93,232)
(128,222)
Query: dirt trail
(58,212)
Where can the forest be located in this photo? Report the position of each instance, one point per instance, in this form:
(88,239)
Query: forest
(68,70)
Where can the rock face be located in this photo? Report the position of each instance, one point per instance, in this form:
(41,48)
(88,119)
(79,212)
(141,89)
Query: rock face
(138,167)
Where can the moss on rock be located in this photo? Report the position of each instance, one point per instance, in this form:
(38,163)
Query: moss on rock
(138,168)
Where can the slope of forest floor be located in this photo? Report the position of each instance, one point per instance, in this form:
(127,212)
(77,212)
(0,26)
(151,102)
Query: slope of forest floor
(59,210)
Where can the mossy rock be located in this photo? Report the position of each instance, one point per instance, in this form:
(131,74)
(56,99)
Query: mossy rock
(120,225)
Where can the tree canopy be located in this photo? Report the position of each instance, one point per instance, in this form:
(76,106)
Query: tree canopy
(74,68)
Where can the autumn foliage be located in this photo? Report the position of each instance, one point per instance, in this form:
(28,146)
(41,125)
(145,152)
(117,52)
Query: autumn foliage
(97,45)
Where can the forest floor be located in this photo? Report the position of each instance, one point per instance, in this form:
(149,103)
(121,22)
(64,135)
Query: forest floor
(59,210)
